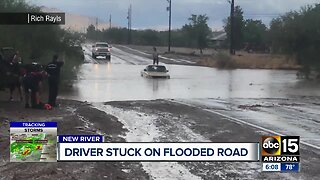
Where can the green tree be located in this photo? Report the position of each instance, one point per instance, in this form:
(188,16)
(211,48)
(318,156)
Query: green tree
(298,33)
(255,34)
(239,25)
(116,35)
(37,42)
(198,31)
(91,30)
(276,35)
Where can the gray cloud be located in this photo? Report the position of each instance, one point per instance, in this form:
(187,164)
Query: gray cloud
(153,14)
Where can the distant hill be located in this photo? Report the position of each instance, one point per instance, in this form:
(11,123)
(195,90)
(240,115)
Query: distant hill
(78,23)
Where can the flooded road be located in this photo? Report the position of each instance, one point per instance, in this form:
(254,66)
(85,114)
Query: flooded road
(200,104)
(118,81)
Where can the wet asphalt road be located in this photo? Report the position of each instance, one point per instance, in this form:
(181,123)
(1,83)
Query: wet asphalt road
(204,105)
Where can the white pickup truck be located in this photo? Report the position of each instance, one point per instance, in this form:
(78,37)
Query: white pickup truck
(101,49)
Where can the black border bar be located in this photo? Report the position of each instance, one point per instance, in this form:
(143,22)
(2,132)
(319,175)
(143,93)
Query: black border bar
(32,18)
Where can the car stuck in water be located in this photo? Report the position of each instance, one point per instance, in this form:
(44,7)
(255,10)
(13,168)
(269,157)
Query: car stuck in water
(155,71)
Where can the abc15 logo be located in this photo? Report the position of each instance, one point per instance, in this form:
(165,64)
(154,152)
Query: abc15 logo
(280,145)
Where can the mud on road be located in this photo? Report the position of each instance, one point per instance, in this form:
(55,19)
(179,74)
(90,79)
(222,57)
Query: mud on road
(73,118)
(172,121)
(142,121)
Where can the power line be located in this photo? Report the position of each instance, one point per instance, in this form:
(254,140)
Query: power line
(261,15)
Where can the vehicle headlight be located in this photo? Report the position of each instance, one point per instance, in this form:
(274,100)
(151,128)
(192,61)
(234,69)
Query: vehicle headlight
(96,49)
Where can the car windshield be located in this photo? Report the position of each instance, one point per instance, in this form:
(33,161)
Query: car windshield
(102,45)
(156,68)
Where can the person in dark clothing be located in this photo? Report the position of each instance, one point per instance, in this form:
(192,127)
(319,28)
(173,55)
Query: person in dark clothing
(31,84)
(53,70)
(2,72)
(155,56)
(14,78)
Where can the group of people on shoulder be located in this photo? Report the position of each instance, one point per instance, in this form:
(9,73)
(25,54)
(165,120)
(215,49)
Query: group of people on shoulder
(30,77)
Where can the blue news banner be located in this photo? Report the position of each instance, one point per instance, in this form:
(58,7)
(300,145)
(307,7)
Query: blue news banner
(93,148)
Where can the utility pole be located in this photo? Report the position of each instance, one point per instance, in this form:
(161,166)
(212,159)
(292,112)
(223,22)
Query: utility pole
(232,48)
(96,23)
(129,23)
(110,20)
(169,40)
(128,17)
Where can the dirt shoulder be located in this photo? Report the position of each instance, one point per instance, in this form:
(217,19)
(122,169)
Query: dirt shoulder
(172,122)
(73,117)
(244,60)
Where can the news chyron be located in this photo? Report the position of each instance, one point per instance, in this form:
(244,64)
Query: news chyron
(280,153)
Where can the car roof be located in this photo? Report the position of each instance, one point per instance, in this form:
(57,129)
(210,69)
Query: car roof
(101,43)
(155,66)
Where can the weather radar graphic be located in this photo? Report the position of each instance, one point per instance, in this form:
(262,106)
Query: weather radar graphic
(32,144)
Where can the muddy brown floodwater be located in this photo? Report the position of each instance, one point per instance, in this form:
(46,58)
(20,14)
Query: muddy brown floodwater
(118,81)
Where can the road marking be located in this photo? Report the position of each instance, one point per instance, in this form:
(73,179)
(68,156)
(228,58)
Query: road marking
(243,122)
(126,61)
(136,59)
(135,50)
(170,59)
(177,60)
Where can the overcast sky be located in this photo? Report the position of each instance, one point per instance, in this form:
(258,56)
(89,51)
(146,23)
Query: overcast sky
(153,14)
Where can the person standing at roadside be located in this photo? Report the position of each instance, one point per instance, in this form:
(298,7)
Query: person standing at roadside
(32,85)
(17,57)
(14,77)
(155,56)
(53,70)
